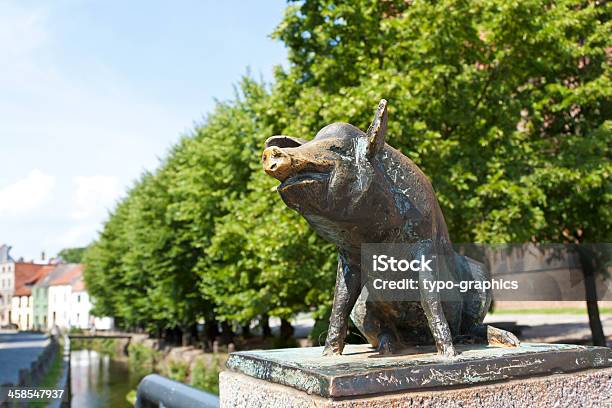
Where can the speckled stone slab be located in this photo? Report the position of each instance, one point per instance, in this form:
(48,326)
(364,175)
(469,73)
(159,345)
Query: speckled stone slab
(361,371)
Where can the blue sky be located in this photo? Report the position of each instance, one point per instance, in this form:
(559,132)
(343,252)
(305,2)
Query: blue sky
(94,92)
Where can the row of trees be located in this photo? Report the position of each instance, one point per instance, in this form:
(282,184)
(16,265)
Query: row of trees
(502,103)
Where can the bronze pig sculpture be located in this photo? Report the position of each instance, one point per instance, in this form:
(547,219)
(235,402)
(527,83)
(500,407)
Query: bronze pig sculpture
(353,189)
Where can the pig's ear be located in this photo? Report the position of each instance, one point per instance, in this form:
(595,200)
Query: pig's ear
(377,130)
(284,141)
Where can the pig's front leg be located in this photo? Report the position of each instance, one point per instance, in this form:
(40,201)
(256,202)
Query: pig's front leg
(432,304)
(348,287)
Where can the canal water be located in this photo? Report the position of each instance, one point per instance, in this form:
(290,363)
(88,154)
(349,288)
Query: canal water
(99,381)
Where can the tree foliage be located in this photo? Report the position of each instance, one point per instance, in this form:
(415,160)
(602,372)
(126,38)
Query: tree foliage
(505,105)
(72,255)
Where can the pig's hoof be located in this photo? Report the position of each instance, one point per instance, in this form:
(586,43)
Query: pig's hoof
(503,338)
(385,345)
(448,351)
(331,351)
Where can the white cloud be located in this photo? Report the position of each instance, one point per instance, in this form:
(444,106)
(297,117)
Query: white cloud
(26,195)
(94,196)
(75,236)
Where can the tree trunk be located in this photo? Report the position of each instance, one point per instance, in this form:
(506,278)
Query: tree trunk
(185,338)
(178,336)
(265,326)
(286,329)
(227,334)
(189,335)
(246,330)
(588,262)
(193,332)
(211,331)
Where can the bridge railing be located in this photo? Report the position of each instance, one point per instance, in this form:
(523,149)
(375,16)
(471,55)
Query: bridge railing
(157,391)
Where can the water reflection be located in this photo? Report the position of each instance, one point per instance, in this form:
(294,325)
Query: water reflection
(99,381)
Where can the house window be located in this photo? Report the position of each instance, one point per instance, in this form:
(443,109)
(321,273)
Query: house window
(78,298)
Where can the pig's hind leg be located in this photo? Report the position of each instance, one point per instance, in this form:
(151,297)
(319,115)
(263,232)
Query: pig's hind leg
(473,331)
(486,334)
(475,307)
(369,319)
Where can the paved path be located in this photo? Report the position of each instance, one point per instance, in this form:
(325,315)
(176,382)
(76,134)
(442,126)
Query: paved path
(553,328)
(545,328)
(17,351)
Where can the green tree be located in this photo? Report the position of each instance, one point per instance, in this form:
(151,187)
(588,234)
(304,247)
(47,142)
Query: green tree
(72,255)
(115,290)
(262,260)
(505,105)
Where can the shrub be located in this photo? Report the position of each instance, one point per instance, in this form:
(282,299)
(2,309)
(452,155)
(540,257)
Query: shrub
(206,378)
(142,359)
(176,370)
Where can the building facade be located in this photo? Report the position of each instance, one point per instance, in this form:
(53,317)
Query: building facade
(36,296)
(7,279)
(22,311)
(60,295)
(80,306)
(40,302)
(22,305)
(51,297)
(16,280)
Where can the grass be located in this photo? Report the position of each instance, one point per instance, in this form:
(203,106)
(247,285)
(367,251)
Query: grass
(54,371)
(559,310)
(51,378)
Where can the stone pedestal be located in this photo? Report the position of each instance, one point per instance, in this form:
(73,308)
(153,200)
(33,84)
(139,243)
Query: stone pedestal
(533,374)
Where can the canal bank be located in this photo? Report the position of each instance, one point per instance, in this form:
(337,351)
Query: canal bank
(106,372)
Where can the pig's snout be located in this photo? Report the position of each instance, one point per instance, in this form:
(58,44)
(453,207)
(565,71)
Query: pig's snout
(277,163)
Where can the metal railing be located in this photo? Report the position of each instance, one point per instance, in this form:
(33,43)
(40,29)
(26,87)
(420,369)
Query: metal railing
(161,392)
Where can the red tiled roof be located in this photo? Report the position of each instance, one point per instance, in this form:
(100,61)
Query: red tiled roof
(42,273)
(68,277)
(79,285)
(25,274)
